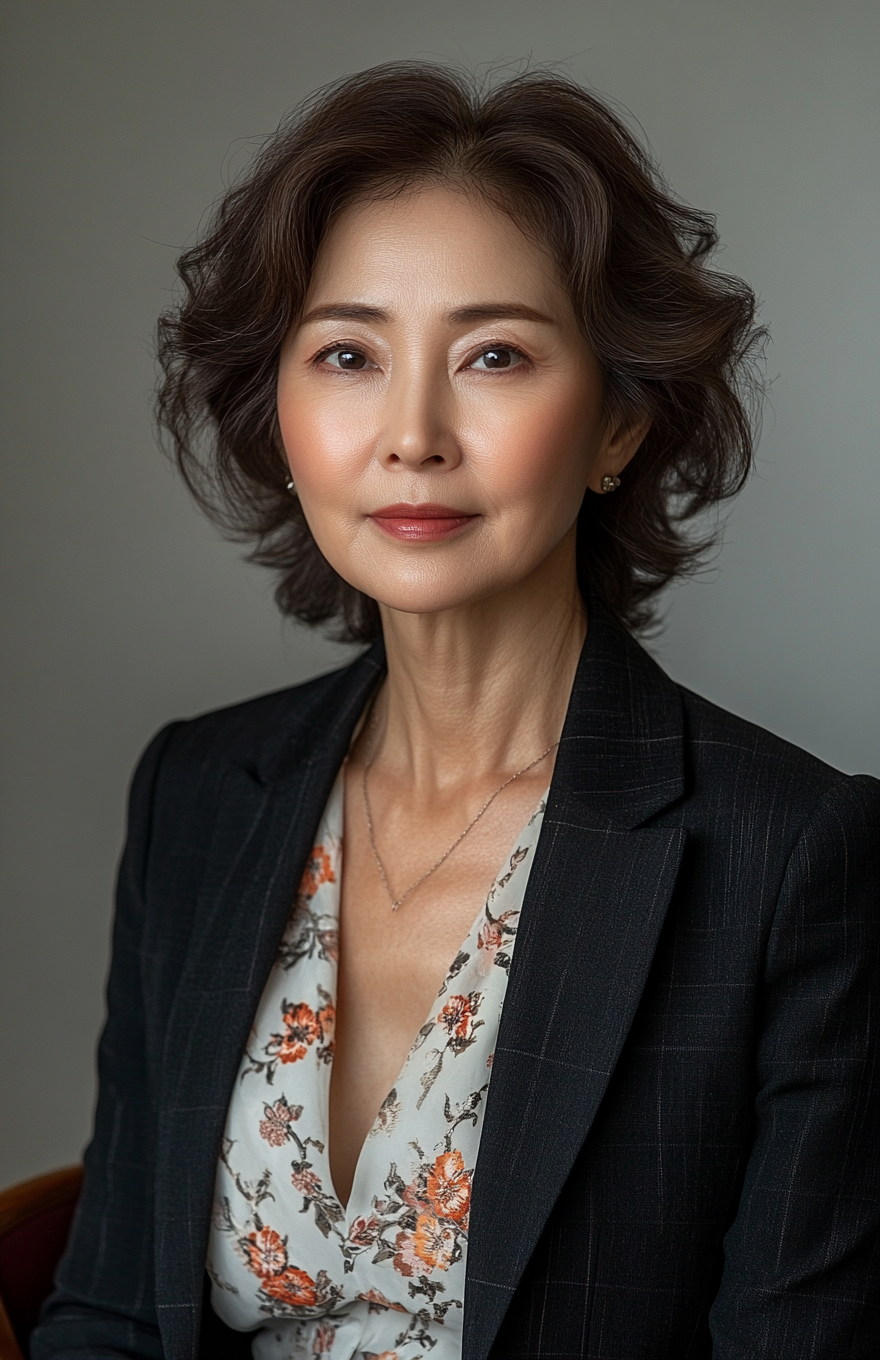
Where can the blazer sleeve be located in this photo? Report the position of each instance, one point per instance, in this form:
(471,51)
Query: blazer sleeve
(802,1276)
(104,1302)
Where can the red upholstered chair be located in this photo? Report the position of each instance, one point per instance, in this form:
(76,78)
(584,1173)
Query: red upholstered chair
(34,1222)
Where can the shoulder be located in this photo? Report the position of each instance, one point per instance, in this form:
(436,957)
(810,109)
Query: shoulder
(180,776)
(732,761)
(194,770)
(777,841)
(270,730)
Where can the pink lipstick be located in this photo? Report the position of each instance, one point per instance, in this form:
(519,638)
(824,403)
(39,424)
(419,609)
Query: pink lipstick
(421,523)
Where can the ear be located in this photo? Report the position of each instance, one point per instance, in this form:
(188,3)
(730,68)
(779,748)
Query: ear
(622,443)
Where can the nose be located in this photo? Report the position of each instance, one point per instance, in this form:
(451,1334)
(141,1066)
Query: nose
(417,430)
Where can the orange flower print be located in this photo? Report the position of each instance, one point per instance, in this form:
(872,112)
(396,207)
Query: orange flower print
(427,1249)
(293,1287)
(266,1252)
(302,1029)
(449,1187)
(318,870)
(456,1016)
(433,1243)
(267,1258)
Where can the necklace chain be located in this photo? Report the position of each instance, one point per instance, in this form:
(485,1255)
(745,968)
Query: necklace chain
(368,755)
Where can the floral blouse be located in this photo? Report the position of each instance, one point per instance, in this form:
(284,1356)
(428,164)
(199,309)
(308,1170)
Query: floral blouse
(382,1279)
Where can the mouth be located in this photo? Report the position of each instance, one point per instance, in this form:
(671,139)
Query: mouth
(421,523)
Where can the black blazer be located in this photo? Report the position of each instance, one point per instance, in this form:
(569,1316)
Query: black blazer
(680,1150)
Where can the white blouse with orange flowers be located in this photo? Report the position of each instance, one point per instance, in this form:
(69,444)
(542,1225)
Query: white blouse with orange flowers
(382,1279)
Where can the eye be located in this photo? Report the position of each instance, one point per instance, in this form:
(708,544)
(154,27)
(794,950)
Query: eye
(345,358)
(497,356)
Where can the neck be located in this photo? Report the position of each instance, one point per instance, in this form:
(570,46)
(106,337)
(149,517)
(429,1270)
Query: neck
(481,690)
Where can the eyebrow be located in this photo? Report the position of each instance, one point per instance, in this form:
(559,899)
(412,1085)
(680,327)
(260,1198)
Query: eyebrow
(498,311)
(461,316)
(345,311)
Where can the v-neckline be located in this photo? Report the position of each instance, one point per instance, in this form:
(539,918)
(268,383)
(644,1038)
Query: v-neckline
(431,1017)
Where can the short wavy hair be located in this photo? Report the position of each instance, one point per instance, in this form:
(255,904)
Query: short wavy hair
(676,340)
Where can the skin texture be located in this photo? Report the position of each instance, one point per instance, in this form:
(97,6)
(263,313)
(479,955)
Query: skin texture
(438,361)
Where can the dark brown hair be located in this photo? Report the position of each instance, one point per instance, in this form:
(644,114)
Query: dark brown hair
(675,339)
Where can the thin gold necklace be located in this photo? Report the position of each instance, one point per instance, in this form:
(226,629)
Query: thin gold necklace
(368,760)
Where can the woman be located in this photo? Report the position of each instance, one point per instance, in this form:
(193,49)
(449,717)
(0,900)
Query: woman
(456,363)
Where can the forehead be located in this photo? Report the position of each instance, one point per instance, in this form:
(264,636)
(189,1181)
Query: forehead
(434,239)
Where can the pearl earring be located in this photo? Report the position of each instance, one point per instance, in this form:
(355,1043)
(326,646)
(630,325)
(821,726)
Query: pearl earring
(610,484)
(291,486)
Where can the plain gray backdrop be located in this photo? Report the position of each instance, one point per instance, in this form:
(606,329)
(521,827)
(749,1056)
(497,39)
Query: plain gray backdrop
(121,123)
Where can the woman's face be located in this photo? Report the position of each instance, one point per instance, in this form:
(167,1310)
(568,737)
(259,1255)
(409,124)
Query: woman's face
(441,412)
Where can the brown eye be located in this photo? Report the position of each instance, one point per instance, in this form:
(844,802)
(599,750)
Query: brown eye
(499,356)
(347,359)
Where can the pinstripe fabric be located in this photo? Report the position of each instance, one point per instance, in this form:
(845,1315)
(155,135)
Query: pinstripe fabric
(679,1154)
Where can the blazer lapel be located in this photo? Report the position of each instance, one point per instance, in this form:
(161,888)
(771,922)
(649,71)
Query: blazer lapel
(263,834)
(594,907)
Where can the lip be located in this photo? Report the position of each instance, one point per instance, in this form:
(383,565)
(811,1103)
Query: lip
(425,522)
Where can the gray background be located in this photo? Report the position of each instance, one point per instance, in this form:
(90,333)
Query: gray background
(121,123)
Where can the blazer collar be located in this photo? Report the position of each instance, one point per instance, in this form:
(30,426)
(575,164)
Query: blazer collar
(621,755)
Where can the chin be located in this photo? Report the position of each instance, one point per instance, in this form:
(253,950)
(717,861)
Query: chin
(430,600)
(431,579)
(428,594)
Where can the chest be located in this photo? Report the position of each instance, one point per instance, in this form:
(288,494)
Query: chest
(443,864)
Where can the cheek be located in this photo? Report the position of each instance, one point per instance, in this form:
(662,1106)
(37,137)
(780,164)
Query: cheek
(325,441)
(539,449)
